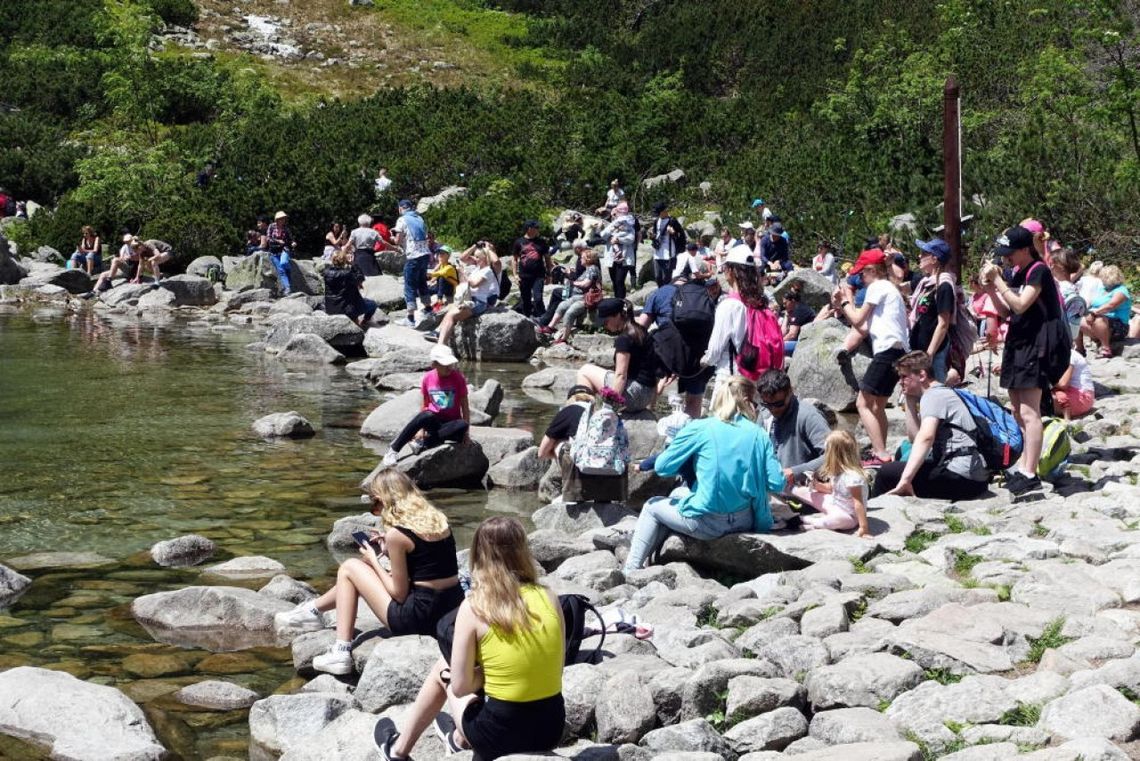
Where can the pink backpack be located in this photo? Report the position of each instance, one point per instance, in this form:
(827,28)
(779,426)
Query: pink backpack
(763,347)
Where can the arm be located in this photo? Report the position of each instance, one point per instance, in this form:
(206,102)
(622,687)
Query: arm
(1065,380)
(684,445)
(547,448)
(860,512)
(621,369)
(816,431)
(941,330)
(396,581)
(1116,300)
(792,333)
(923,441)
(645,319)
(465,409)
(464,650)
(910,409)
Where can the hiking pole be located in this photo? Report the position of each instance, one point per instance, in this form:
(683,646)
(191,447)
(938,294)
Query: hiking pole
(990,374)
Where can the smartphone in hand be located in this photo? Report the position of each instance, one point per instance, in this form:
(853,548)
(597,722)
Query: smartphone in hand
(362,538)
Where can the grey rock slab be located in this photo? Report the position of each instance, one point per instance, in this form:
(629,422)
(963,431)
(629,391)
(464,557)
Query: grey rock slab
(953,654)
(575,566)
(689,737)
(552,548)
(818,345)
(824,621)
(625,709)
(289,425)
(394,671)
(387,420)
(774,730)
(750,555)
(38,561)
(337,330)
(311,348)
(158,299)
(214,618)
(390,382)
(667,688)
(582,684)
(925,710)
(915,603)
(760,634)
(700,694)
(500,443)
(246,567)
(576,519)
(996,733)
(216,695)
(348,737)
(201,264)
(990,752)
(1084,749)
(340,538)
(182,551)
(278,723)
(12,585)
(1122,673)
(868,751)
(283,587)
(495,336)
(750,696)
(1097,711)
(852,725)
(861,680)
(190,290)
(796,656)
(385,290)
(815,290)
(556,381)
(1067,588)
(463,463)
(74,719)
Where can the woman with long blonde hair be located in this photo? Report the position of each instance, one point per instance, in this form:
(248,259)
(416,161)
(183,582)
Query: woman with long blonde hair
(838,490)
(736,467)
(509,644)
(420,586)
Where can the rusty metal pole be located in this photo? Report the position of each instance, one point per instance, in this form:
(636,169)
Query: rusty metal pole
(952,172)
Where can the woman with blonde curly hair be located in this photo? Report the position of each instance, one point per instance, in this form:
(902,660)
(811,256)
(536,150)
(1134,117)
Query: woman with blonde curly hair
(420,586)
(508,645)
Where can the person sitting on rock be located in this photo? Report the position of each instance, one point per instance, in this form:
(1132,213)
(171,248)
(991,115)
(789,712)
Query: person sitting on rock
(502,681)
(798,431)
(944,462)
(555,445)
(420,586)
(634,376)
(1075,392)
(574,306)
(443,279)
(343,283)
(445,415)
(88,254)
(127,259)
(151,254)
(255,241)
(736,468)
(796,315)
(482,293)
(336,239)
(838,490)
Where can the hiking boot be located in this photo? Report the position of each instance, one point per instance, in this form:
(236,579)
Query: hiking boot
(302,618)
(335,661)
(445,728)
(385,736)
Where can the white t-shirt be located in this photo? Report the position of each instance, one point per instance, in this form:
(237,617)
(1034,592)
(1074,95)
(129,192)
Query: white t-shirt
(1082,379)
(382,184)
(413,249)
(843,488)
(888,328)
(488,287)
(614,197)
(665,239)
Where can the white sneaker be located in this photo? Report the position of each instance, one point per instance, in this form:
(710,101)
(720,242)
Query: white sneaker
(335,661)
(301,618)
(390,459)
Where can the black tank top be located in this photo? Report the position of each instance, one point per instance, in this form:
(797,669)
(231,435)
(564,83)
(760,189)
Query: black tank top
(429,561)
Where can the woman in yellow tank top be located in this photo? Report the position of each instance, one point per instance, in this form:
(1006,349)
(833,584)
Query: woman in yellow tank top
(505,688)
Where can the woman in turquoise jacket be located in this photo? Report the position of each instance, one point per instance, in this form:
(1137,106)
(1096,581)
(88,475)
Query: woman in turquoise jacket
(736,468)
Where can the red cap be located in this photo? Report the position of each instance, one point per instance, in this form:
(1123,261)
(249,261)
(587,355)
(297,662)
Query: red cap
(868,257)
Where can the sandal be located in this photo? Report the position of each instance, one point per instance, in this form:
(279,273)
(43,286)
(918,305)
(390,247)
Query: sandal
(1105,353)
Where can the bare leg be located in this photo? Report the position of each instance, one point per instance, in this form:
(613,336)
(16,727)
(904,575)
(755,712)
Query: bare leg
(693,405)
(873,415)
(458,314)
(429,702)
(1101,333)
(354,579)
(456,706)
(592,376)
(1026,404)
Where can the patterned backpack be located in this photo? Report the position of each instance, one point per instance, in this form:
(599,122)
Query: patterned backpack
(600,446)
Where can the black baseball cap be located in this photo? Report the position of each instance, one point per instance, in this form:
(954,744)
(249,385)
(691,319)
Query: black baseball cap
(1013,239)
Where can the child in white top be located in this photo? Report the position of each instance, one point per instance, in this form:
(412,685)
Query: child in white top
(838,490)
(1074,393)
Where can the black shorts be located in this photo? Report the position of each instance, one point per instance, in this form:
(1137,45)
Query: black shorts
(499,728)
(1021,368)
(881,378)
(1117,330)
(421,610)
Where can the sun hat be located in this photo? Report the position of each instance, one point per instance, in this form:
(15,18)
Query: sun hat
(279,215)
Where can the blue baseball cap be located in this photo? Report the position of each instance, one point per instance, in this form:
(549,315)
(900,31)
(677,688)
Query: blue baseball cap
(404,203)
(757,202)
(936,247)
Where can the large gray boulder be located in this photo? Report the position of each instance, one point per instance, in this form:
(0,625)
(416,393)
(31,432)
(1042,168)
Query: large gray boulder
(394,671)
(389,418)
(625,710)
(460,464)
(125,294)
(250,272)
(862,681)
(556,382)
(11,271)
(183,551)
(336,330)
(774,730)
(200,265)
(688,737)
(12,585)
(190,290)
(675,177)
(521,471)
(72,719)
(305,277)
(49,255)
(451,192)
(288,425)
(1097,711)
(309,348)
(816,374)
(73,281)
(751,555)
(385,290)
(815,289)
(499,443)
(495,336)
(215,618)
(280,722)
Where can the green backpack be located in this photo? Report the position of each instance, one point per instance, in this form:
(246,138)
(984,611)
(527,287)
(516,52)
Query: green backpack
(1055,448)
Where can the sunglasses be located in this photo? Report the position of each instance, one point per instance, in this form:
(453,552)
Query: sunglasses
(775,403)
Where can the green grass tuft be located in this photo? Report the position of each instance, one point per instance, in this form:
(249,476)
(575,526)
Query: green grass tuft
(708,616)
(942,676)
(1050,638)
(954,524)
(1025,715)
(964,562)
(920,540)
(858,566)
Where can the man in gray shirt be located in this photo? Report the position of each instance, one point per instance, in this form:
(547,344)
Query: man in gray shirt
(798,431)
(939,425)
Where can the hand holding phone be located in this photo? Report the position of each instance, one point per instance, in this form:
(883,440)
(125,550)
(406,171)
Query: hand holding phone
(363,540)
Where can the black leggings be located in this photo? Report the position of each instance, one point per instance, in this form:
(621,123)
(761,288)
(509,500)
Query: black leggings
(551,308)
(617,277)
(499,728)
(945,485)
(663,270)
(437,430)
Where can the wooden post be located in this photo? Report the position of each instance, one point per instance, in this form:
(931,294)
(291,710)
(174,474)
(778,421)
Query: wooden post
(952,172)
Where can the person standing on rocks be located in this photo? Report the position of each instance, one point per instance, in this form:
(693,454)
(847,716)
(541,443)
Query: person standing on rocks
(445,415)
(620,256)
(362,241)
(412,240)
(1037,343)
(944,462)
(668,242)
(884,313)
(933,305)
(419,588)
(798,431)
(531,262)
(279,239)
(736,468)
(382,183)
(503,680)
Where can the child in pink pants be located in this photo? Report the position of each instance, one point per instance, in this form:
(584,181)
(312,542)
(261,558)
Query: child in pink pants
(838,490)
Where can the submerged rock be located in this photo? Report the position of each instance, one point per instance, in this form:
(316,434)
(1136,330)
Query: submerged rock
(283,425)
(183,551)
(12,585)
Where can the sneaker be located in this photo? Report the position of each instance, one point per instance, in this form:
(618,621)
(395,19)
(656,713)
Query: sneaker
(335,661)
(385,736)
(417,446)
(431,336)
(445,728)
(390,459)
(88,295)
(406,323)
(301,618)
(1020,485)
(874,461)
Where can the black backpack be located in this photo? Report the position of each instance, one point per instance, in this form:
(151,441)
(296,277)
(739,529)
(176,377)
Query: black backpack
(693,314)
(574,609)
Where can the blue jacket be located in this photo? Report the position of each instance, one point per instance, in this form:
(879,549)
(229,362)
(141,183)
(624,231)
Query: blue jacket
(736,468)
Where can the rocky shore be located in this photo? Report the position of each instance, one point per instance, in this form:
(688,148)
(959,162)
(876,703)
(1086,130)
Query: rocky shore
(978,630)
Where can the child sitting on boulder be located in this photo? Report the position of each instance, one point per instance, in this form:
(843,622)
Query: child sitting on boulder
(443,279)
(838,490)
(445,415)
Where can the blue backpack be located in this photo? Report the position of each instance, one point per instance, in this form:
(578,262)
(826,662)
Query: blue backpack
(998,438)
